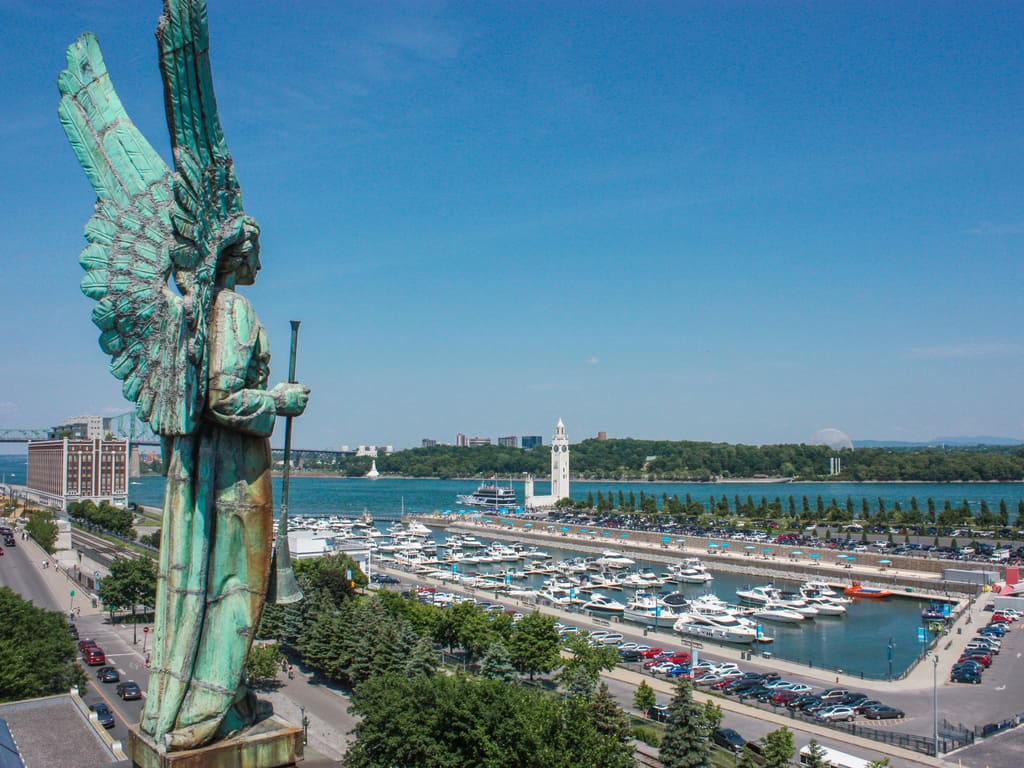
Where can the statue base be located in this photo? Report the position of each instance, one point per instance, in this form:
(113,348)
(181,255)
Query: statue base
(270,743)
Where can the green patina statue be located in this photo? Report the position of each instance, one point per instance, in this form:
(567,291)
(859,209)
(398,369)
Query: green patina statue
(195,362)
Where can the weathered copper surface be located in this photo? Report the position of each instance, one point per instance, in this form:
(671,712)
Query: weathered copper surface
(269,744)
(194,361)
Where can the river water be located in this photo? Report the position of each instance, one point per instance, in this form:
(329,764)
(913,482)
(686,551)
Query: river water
(857,643)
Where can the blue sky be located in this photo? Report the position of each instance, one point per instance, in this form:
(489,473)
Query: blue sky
(717,221)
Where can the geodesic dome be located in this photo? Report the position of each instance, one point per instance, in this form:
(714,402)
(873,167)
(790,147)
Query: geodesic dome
(835,439)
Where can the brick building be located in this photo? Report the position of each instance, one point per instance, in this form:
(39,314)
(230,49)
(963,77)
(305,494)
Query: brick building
(67,470)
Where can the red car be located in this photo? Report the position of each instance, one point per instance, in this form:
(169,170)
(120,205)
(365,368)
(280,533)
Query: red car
(781,698)
(679,657)
(981,658)
(94,657)
(87,643)
(650,653)
(1004,618)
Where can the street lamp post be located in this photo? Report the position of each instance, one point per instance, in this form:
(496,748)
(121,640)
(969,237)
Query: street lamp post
(935,702)
(305,726)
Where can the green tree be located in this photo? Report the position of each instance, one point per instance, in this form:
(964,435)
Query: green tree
(42,528)
(881,763)
(497,664)
(644,697)
(686,743)
(581,673)
(263,662)
(37,654)
(534,644)
(712,714)
(778,749)
(747,759)
(130,584)
(612,725)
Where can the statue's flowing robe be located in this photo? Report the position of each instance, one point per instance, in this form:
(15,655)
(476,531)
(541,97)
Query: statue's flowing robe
(215,542)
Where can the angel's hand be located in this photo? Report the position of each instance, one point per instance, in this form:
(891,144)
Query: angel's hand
(290,399)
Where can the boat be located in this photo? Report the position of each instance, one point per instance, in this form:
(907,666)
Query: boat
(826,606)
(935,612)
(644,608)
(555,595)
(758,595)
(857,590)
(726,627)
(489,495)
(598,603)
(690,571)
(774,610)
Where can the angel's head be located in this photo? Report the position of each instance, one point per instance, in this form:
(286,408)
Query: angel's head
(240,256)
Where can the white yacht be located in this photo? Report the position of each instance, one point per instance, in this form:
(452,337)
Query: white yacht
(690,571)
(726,627)
(758,595)
(599,603)
(773,610)
(646,609)
(554,595)
(489,495)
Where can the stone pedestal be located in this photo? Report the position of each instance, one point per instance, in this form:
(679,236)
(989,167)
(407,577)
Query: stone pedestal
(271,743)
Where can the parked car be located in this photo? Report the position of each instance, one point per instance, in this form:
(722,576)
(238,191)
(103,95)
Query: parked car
(650,653)
(781,698)
(867,704)
(87,643)
(992,630)
(103,714)
(107,675)
(129,690)
(679,670)
(977,656)
(884,712)
(94,657)
(659,713)
(384,578)
(73,630)
(629,654)
(965,676)
(727,738)
(836,713)
(830,694)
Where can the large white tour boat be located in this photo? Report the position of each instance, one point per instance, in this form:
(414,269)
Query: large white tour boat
(489,495)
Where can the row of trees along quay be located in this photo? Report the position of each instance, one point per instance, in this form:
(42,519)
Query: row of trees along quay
(801,508)
(688,461)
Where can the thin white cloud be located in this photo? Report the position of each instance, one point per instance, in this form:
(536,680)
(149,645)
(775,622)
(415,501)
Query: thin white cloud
(6,406)
(991,229)
(967,350)
(593,360)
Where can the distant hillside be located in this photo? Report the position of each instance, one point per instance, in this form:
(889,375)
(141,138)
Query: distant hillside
(940,441)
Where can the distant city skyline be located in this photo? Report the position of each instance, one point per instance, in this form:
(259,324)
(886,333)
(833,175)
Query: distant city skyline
(681,221)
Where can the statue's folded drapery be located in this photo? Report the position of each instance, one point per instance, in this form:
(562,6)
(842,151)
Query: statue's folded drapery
(216,541)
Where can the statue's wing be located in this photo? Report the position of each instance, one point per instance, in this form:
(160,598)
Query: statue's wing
(145,326)
(209,218)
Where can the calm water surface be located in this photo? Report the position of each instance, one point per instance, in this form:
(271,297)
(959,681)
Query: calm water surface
(855,643)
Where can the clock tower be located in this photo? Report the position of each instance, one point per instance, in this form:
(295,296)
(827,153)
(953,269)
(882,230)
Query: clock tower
(559,463)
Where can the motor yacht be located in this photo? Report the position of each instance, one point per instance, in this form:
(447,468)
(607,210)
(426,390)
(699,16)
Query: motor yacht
(773,610)
(599,603)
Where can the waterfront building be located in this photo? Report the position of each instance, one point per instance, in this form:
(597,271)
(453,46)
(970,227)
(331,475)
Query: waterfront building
(477,442)
(509,441)
(559,472)
(461,441)
(531,441)
(81,428)
(67,470)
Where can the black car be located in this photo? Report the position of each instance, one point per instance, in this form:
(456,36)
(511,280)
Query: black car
(383,578)
(107,675)
(658,713)
(103,714)
(802,700)
(884,712)
(727,738)
(629,654)
(73,630)
(129,690)
(965,676)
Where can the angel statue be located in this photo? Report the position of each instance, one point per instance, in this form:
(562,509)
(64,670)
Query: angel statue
(194,361)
